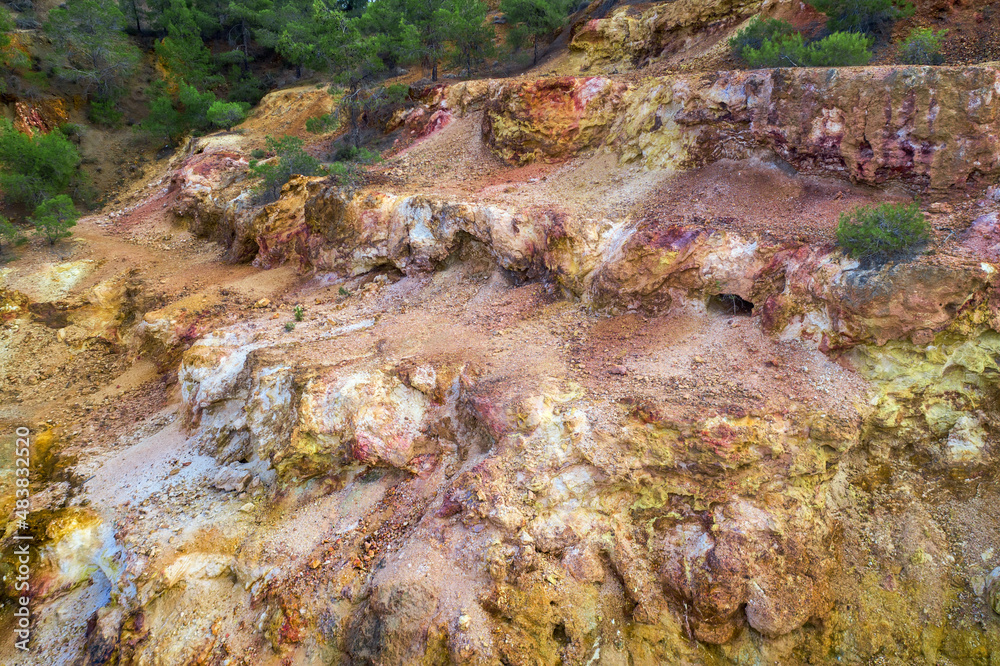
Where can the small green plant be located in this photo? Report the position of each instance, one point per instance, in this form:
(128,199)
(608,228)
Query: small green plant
(54,217)
(343,292)
(922,47)
(291,160)
(227,114)
(874,234)
(71,130)
(757,32)
(9,234)
(328,122)
(289,326)
(300,313)
(258,153)
(871,17)
(105,112)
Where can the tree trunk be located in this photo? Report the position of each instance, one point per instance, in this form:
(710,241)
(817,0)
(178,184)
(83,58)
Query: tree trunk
(246,46)
(434,70)
(534,59)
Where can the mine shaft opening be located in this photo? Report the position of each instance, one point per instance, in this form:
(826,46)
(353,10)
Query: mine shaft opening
(731,304)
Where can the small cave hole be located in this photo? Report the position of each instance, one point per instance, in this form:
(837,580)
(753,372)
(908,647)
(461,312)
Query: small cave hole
(731,304)
(559,634)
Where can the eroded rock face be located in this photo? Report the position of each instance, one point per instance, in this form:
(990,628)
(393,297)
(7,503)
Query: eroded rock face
(628,37)
(550,119)
(928,127)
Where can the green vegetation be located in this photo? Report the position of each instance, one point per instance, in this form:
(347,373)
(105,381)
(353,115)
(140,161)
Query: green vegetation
(35,168)
(532,20)
(104,112)
(300,313)
(841,49)
(464,26)
(10,57)
(757,32)
(171,115)
(290,160)
(54,217)
(774,43)
(289,326)
(922,47)
(215,58)
(226,114)
(871,17)
(90,47)
(9,234)
(878,233)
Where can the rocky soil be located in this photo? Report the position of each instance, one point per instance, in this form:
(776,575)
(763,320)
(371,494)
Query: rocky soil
(578,376)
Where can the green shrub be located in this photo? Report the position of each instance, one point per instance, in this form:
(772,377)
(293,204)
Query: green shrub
(170,116)
(9,234)
(226,114)
(841,49)
(922,47)
(291,159)
(757,32)
(783,51)
(258,153)
(878,233)
(54,217)
(349,153)
(246,88)
(35,168)
(328,122)
(872,17)
(104,112)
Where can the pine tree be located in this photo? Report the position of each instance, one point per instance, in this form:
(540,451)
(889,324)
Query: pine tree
(182,51)
(247,17)
(90,47)
(464,25)
(35,168)
(534,19)
(54,217)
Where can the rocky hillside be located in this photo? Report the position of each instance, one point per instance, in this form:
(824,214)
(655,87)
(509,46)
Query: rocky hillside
(577,375)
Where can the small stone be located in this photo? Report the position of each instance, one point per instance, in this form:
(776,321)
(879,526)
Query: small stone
(699,359)
(993,590)
(463,622)
(617,370)
(262,303)
(247,508)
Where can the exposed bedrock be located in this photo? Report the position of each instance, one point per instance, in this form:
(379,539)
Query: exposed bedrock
(811,292)
(628,37)
(927,127)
